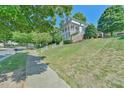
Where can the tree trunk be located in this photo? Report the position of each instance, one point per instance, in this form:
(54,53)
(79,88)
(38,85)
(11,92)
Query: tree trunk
(111,34)
(4,44)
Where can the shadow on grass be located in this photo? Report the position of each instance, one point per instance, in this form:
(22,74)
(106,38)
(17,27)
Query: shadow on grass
(121,37)
(17,69)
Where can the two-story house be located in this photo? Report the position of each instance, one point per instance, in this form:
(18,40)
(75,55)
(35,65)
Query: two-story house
(73,29)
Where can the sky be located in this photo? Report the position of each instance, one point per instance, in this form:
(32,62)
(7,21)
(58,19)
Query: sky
(92,12)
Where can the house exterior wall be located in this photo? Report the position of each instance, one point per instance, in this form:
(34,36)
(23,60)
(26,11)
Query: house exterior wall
(73,31)
(77,37)
(66,33)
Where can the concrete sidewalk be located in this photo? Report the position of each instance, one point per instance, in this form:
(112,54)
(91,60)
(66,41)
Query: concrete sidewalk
(40,75)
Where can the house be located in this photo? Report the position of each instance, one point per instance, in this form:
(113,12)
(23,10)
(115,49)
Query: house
(73,29)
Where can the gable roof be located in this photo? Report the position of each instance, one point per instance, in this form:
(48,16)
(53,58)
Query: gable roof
(75,21)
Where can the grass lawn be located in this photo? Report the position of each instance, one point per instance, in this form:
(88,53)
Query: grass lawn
(90,63)
(14,62)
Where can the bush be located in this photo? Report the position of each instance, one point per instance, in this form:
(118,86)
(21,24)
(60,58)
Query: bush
(22,37)
(91,31)
(67,41)
(121,37)
(57,38)
(41,39)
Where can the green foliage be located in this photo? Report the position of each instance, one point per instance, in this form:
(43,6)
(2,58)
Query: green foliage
(5,36)
(46,38)
(112,19)
(33,37)
(67,41)
(26,19)
(80,17)
(121,37)
(22,37)
(43,18)
(41,38)
(57,37)
(7,15)
(91,31)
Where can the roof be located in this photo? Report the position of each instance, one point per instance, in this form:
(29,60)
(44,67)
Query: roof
(75,21)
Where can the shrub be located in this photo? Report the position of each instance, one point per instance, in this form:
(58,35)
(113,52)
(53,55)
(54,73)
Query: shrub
(67,41)
(57,38)
(22,37)
(41,39)
(122,37)
(91,31)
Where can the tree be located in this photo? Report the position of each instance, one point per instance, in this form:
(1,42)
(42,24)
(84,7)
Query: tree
(7,15)
(57,37)
(46,38)
(43,18)
(80,16)
(90,31)
(41,39)
(5,36)
(26,19)
(22,38)
(112,20)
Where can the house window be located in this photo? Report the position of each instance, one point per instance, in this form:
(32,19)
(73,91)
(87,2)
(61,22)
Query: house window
(72,27)
(68,28)
(65,29)
(77,28)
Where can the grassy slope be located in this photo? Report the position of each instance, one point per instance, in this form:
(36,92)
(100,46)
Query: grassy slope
(91,63)
(14,62)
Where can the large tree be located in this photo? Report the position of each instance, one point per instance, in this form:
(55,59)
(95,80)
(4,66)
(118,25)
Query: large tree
(26,19)
(90,31)
(112,20)
(7,15)
(43,18)
(80,16)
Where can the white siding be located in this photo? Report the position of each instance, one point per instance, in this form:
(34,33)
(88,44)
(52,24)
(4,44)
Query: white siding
(71,28)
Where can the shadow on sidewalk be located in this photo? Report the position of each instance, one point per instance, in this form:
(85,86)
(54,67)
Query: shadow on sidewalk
(33,66)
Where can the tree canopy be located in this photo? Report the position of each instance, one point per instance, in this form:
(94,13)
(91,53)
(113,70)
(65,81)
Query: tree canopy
(35,17)
(57,37)
(43,18)
(80,16)
(112,19)
(90,31)
(26,19)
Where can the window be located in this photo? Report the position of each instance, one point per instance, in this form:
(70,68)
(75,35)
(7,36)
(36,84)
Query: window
(68,28)
(77,28)
(65,29)
(72,27)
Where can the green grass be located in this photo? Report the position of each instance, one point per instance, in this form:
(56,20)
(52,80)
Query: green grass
(90,63)
(14,62)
